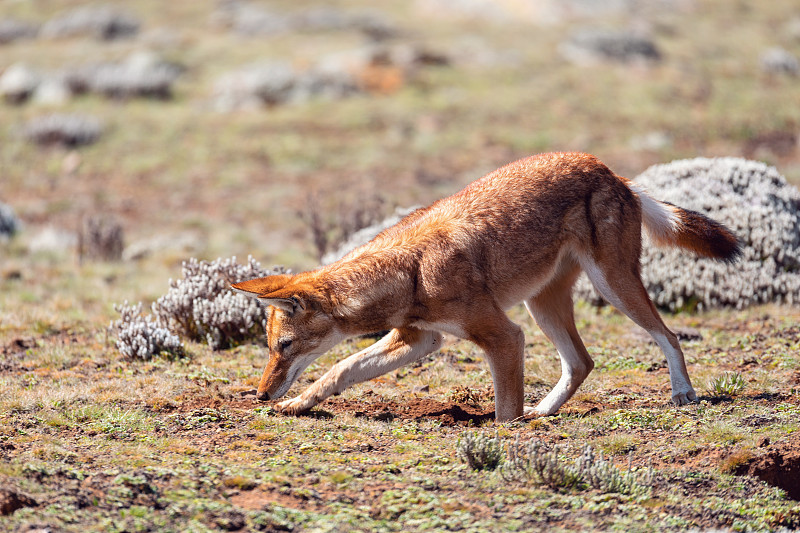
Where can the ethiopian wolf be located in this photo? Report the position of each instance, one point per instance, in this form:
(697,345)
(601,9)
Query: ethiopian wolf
(522,233)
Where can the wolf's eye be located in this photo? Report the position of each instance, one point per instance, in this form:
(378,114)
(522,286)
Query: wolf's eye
(284,344)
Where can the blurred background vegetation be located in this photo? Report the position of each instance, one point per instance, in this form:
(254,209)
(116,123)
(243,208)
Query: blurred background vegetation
(235,128)
(135,135)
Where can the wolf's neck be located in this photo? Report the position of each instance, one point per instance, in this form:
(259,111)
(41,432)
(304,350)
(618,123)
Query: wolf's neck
(371,293)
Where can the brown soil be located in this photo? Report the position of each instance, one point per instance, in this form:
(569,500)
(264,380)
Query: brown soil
(369,405)
(779,466)
(448,413)
(10,501)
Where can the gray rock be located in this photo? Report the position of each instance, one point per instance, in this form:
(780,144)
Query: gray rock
(52,91)
(14,30)
(184,242)
(779,61)
(245,18)
(9,223)
(334,76)
(364,235)
(593,45)
(18,83)
(70,130)
(142,74)
(52,239)
(102,22)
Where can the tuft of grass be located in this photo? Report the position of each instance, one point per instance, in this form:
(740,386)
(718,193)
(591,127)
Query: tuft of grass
(479,451)
(728,384)
(618,444)
(537,463)
(239,482)
(733,463)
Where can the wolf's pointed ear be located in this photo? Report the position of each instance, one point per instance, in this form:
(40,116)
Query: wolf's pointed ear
(290,305)
(290,299)
(262,286)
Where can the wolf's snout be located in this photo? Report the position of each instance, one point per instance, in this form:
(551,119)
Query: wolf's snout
(262,396)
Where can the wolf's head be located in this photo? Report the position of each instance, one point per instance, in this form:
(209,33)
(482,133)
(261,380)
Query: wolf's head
(300,328)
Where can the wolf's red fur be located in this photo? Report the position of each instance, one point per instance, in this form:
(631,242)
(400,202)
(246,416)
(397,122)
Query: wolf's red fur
(522,233)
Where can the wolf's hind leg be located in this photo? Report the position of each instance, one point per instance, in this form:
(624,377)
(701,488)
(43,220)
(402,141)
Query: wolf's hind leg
(622,287)
(552,309)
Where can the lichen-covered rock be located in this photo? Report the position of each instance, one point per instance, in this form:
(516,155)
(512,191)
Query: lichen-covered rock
(67,129)
(52,91)
(370,69)
(102,22)
(250,19)
(757,204)
(255,86)
(141,74)
(18,83)
(594,45)
(275,83)
(14,30)
(364,235)
(779,61)
(9,223)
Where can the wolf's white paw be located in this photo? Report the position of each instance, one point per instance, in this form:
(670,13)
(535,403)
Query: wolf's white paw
(293,406)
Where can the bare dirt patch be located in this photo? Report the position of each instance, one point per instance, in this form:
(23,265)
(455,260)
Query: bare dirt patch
(448,413)
(257,499)
(779,466)
(11,500)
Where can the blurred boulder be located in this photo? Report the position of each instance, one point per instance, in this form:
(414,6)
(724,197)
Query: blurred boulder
(52,91)
(254,86)
(248,19)
(779,61)
(546,12)
(371,23)
(18,83)
(14,30)
(141,74)
(52,239)
(651,141)
(484,10)
(103,22)
(69,130)
(9,223)
(592,45)
(370,69)
(186,243)
(364,235)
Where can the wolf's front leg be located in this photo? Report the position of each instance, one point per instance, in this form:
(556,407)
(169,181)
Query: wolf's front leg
(399,347)
(502,342)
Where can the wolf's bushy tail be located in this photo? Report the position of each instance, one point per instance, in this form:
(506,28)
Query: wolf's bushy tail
(670,225)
